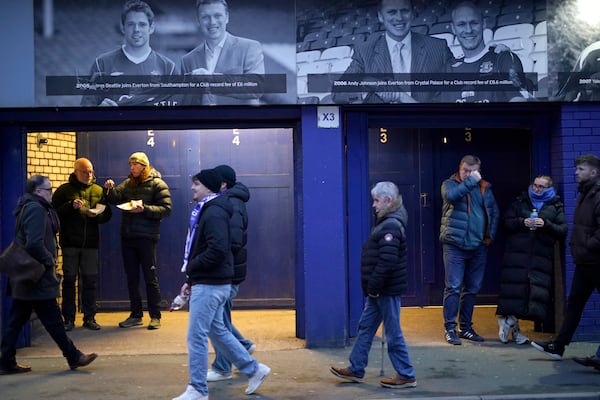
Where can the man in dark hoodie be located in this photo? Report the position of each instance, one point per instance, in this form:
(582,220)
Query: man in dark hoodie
(208,263)
(145,200)
(585,249)
(37,226)
(238,195)
(384,280)
(75,203)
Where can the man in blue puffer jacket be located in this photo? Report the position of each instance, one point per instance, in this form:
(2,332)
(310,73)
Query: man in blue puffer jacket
(469,223)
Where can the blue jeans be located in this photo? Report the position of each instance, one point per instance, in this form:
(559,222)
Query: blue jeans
(386,309)
(206,319)
(221,363)
(464,275)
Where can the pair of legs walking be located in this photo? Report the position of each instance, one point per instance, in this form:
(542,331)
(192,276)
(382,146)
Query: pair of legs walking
(384,309)
(586,278)
(221,366)
(49,314)
(206,320)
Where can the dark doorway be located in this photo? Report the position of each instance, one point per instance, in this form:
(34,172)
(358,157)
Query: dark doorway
(418,160)
(263,160)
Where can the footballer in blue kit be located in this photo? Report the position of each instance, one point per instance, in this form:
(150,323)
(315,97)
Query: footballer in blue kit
(134,59)
(487,67)
(486,73)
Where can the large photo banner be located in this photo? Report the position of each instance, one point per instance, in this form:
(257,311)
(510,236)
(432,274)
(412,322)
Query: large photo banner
(261,52)
(402,51)
(164,52)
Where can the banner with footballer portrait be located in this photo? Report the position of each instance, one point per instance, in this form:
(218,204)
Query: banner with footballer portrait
(234,52)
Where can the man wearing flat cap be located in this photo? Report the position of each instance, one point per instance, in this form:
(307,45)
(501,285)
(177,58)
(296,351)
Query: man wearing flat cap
(145,200)
(208,264)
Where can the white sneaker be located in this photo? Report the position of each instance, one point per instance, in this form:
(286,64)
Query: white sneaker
(191,394)
(215,376)
(518,336)
(504,329)
(257,379)
(252,348)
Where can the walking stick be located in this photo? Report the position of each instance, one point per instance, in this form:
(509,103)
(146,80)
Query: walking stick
(381,372)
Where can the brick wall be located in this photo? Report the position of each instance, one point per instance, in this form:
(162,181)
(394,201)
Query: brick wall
(53,159)
(579,133)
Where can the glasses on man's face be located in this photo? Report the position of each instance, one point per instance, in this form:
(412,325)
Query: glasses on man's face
(48,189)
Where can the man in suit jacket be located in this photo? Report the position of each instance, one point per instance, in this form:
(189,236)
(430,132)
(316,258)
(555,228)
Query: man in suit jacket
(222,53)
(397,51)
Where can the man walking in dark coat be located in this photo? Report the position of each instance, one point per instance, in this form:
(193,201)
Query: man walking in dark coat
(585,249)
(238,195)
(384,280)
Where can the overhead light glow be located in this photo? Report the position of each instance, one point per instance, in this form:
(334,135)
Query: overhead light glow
(589,11)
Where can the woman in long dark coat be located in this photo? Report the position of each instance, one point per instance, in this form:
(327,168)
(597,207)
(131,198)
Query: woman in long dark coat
(527,270)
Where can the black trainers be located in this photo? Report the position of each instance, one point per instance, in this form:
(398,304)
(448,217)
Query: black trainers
(551,349)
(129,322)
(452,337)
(91,324)
(470,334)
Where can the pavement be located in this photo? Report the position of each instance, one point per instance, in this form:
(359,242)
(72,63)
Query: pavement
(137,363)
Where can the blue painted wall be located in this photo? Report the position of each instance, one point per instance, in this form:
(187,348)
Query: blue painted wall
(331,187)
(579,133)
(324,232)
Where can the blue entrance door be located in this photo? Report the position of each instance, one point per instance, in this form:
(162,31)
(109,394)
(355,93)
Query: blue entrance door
(418,160)
(263,160)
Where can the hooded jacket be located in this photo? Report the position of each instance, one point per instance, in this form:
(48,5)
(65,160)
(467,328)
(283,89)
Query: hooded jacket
(37,231)
(155,195)
(456,211)
(76,228)
(526,277)
(210,260)
(239,195)
(383,258)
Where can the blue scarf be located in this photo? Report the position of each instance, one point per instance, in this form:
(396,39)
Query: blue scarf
(539,199)
(194,217)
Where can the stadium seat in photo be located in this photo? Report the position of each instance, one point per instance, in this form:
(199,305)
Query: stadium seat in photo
(351,40)
(337,52)
(308,56)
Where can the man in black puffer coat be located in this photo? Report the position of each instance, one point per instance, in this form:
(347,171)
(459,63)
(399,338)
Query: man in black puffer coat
(384,279)
(585,249)
(238,195)
(145,200)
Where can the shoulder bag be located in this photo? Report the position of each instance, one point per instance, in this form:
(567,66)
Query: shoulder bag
(18,264)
